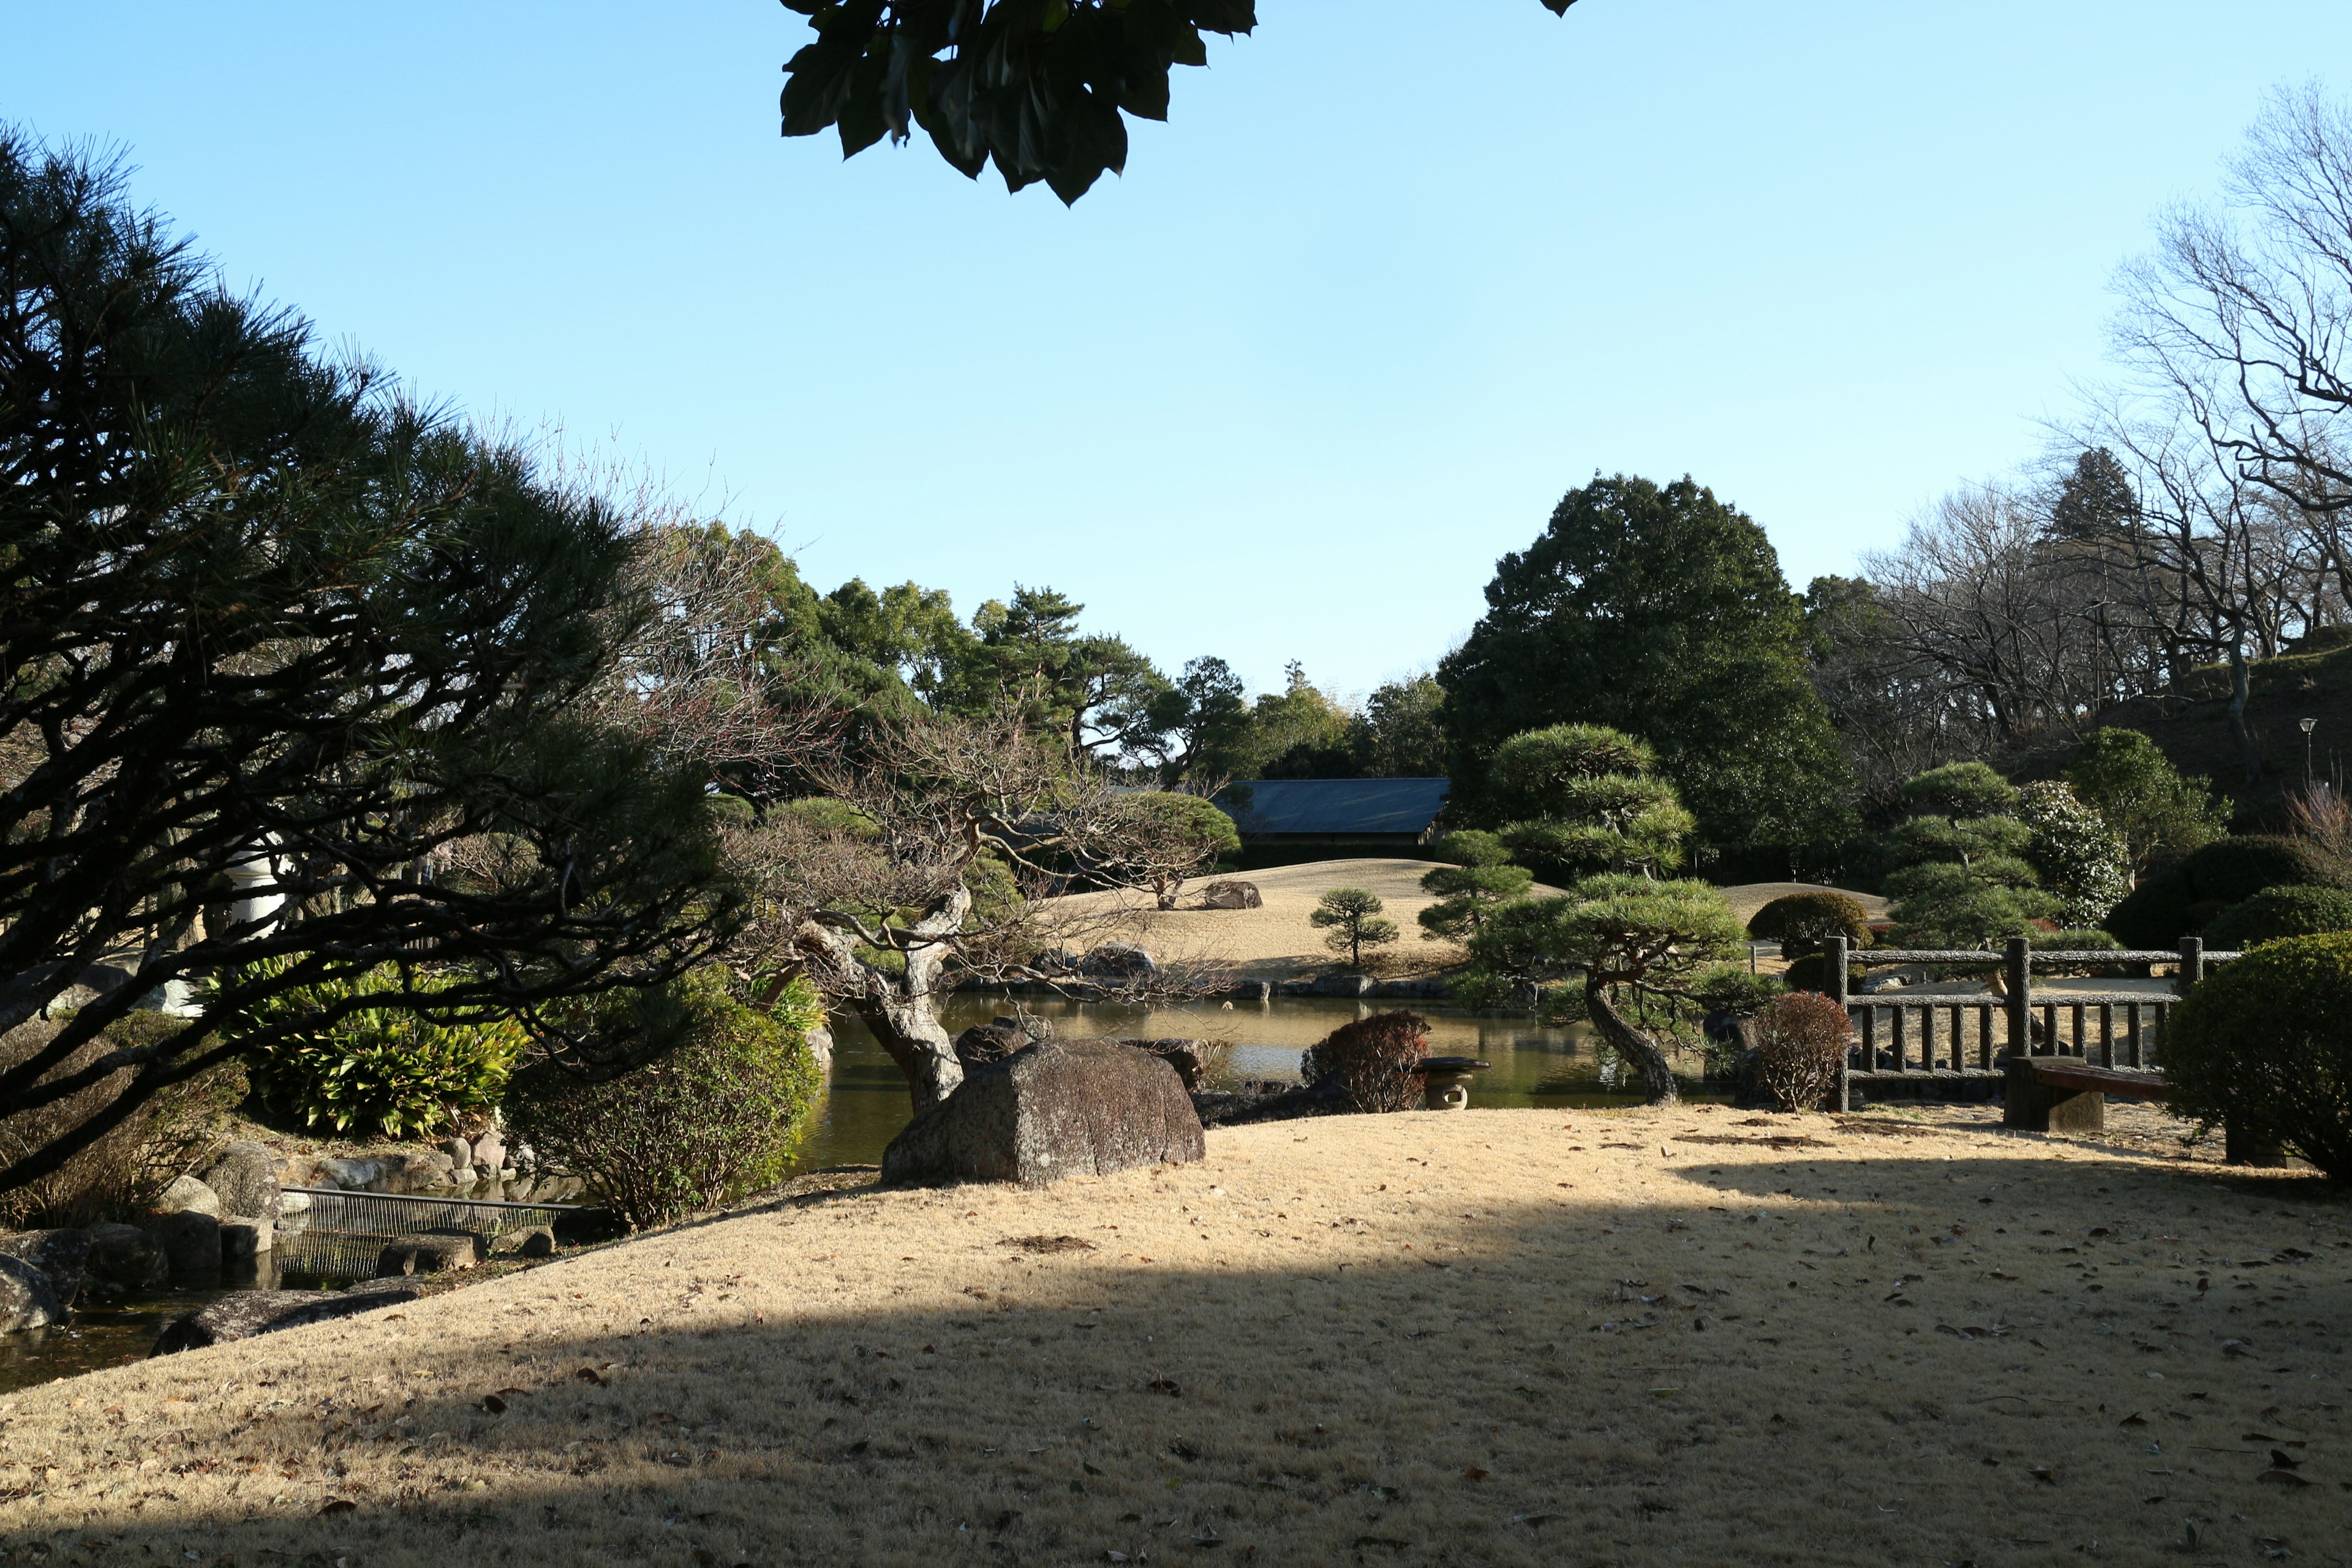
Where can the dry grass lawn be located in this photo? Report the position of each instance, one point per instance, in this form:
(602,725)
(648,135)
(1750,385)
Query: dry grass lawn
(1684,1336)
(1280,942)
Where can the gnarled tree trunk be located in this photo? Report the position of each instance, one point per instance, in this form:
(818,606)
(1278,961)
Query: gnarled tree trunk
(1634,1045)
(901,1010)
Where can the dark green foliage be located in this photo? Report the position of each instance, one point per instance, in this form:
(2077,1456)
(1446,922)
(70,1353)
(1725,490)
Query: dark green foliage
(2264,1046)
(2122,775)
(1662,612)
(2178,900)
(713,1118)
(2231,869)
(1467,895)
(1958,790)
(2276,912)
(2096,504)
(1800,922)
(1472,847)
(1037,89)
(251,597)
(1579,798)
(1353,918)
(1372,1058)
(1811,972)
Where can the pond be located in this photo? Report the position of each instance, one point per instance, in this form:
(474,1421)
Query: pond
(865,1102)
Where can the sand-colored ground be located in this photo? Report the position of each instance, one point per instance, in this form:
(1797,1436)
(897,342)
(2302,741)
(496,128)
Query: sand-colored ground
(1687,1336)
(1279,942)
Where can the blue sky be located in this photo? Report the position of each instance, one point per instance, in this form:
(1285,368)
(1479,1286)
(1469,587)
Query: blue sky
(1394,278)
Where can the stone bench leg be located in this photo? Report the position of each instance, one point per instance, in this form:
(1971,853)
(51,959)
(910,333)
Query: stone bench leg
(2036,1107)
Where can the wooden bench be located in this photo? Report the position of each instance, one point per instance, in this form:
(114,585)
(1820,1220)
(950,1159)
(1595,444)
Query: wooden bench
(2066,1094)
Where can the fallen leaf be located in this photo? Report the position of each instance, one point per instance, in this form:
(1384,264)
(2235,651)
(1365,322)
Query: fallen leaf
(337,1505)
(2045,1475)
(2282,1461)
(494,1405)
(1474,1474)
(590,1374)
(2283,1478)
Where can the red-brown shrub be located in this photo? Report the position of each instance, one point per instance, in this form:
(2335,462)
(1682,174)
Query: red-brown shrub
(1801,1045)
(1373,1059)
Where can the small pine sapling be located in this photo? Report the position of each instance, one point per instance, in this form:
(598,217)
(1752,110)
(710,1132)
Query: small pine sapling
(1353,918)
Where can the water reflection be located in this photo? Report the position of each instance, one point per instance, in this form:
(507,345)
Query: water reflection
(866,1102)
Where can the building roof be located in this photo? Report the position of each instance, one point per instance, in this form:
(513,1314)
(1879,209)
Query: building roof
(1334,806)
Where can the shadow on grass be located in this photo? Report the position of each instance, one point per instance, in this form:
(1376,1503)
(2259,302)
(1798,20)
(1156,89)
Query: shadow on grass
(1917,1358)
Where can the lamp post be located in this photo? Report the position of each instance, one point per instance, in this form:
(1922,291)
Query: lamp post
(2306,725)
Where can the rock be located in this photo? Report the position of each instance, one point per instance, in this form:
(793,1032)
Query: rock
(123,1257)
(819,1041)
(292,1203)
(428,1252)
(1185,1055)
(298,1171)
(491,1151)
(1232,896)
(243,1240)
(460,1152)
(244,1179)
(193,1244)
(28,1300)
(531,1241)
(186,1194)
(62,1255)
(982,1044)
(1050,1110)
(1262,1101)
(464,1176)
(1118,960)
(1341,986)
(242,1314)
(351,1175)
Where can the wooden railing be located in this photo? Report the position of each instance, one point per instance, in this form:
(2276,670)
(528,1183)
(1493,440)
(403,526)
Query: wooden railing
(2119,1029)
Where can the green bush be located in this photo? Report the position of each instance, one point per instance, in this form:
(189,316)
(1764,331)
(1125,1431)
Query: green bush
(713,1118)
(382,1070)
(2179,900)
(2276,912)
(2264,1046)
(1801,922)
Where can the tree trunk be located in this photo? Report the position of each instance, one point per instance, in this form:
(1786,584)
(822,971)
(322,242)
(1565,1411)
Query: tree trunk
(2240,690)
(1635,1046)
(899,1008)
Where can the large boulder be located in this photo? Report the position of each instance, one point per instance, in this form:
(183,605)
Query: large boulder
(125,1258)
(1261,1101)
(489,1155)
(1060,1107)
(351,1175)
(244,1240)
(192,1241)
(188,1195)
(1117,961)
(244,1178)
(428,1252)
(1189,1059)
(1232,896)
(28,1300)
(62,1255)
(242,1314)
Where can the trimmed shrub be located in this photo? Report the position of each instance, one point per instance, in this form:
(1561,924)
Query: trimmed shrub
(2277,912)
(1811,972)
(2230,870)
(712,1119)
(1801,1046)
(1801,922)
(1372,1060)
(128,1167)
(384,1070)
(2179,900)
(2264,1046)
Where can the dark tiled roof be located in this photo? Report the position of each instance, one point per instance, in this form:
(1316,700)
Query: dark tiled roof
(1335,805)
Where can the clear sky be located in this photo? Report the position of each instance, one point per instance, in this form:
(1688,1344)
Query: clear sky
(1394,276)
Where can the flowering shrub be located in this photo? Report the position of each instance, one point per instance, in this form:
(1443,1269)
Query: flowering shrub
(2082,859)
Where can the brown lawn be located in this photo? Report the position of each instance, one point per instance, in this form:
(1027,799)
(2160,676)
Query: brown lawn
(1686,1336)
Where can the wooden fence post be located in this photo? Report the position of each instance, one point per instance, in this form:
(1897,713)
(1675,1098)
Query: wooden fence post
(2019,979)
(1833,985)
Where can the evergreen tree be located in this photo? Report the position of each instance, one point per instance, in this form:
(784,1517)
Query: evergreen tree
(1661,611)
(1577,798)
(2096,502)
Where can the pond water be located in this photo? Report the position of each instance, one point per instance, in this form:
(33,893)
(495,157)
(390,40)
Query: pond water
(102,1336)
(866,1103)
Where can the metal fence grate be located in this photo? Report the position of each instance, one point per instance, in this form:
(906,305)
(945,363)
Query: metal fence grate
(343,1233)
